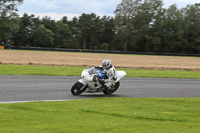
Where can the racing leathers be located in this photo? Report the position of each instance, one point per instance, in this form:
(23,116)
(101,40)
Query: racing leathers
(110,76)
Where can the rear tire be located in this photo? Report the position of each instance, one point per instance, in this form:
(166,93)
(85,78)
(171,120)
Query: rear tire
(78,88)
(112,89)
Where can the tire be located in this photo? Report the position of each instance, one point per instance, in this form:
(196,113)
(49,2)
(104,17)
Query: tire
(78,88)
(113,89)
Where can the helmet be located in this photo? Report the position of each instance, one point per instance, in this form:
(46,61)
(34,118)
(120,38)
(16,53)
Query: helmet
(100,74)
(106,63)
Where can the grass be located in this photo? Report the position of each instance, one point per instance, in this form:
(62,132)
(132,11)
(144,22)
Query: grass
(161,73)
(76,71)
(119,115)
(39,70)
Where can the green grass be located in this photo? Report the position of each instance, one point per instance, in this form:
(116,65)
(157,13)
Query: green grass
(39,70)
(103,115)
(161,73)
(76,71)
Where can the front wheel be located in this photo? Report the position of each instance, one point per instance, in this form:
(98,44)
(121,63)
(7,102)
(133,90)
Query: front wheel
(112,89)
(78,88)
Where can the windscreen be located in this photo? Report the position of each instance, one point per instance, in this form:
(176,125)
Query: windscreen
(97,72)
(91,70)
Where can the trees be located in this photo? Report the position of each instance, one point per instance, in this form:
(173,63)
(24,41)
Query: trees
(84,23)
(145,26)
(43,37)
(63,35)
(90,27)
(108,33)
(125,15)
(8,19)
(32,30)
(138,25)
(134,24)
(151,16)
(74,27)
(192,28)
(172,35)
(27,25)
(90,31)
(8,7)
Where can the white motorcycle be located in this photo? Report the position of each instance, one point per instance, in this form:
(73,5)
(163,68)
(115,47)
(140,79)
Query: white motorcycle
(91,82)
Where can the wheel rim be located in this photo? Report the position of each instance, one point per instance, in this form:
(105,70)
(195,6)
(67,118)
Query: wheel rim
(79,89)
(114,88)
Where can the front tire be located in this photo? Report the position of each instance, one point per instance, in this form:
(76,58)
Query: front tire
(78,88)
(112,89)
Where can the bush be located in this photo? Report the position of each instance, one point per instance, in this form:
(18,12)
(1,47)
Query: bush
(104,46)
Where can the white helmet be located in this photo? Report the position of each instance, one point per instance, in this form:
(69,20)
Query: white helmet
(106,63)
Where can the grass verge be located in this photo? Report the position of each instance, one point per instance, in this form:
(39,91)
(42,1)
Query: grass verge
(76,71)
(139,115)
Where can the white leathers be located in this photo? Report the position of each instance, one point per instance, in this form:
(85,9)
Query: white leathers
(111,74)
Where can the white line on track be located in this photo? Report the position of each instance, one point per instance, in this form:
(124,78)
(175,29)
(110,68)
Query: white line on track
(35,101)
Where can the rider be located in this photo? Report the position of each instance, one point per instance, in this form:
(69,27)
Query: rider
(110,73)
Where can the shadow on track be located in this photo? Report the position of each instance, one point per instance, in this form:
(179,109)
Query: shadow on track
(96,95)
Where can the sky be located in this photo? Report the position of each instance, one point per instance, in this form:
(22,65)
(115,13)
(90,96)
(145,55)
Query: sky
(56,9)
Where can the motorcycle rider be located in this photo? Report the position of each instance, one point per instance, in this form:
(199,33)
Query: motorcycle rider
(110,72)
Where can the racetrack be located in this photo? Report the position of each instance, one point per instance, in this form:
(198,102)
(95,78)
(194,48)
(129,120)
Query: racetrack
(33,88)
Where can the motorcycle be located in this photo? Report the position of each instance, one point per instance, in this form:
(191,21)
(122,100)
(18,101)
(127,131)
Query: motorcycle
(91,82)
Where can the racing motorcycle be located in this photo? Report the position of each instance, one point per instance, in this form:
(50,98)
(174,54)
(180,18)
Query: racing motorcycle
(91,82)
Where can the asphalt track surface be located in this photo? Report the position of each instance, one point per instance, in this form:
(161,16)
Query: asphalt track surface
(38,88)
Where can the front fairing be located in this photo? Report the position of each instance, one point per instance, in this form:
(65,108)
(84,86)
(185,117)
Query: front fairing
(86,76)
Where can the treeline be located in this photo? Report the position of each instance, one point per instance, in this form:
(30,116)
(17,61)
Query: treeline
(138,25)
(89,31)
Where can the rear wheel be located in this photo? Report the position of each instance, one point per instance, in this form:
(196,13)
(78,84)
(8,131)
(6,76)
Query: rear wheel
(112,89)
(78,88)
